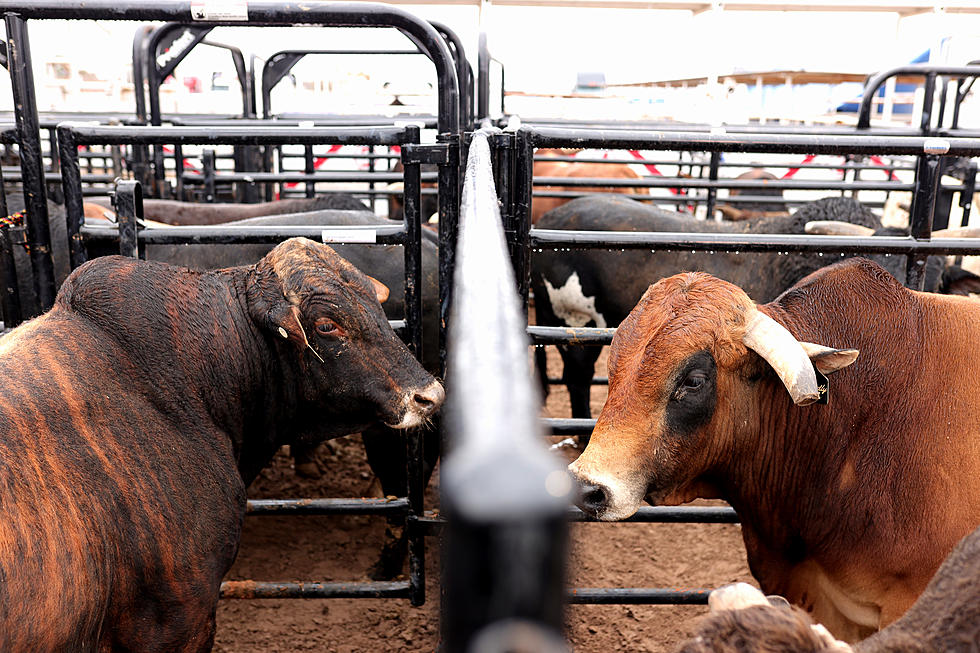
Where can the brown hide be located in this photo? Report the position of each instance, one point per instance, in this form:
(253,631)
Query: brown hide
(847,509)
(541,205)
(754,210)
(134,413)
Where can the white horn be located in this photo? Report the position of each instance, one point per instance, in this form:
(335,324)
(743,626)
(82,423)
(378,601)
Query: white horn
(836,228)
(957,232)
(783,352)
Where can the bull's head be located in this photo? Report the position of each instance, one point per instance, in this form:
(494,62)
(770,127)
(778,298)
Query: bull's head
(353,370)
(684,373)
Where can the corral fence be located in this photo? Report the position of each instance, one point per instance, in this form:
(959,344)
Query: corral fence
(506,497)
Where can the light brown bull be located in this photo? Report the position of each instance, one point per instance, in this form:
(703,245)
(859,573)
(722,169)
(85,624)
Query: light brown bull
(847,509)
(541,205)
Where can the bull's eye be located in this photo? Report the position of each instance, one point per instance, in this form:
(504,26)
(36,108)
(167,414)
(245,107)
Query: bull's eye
(692,383)
(327,327)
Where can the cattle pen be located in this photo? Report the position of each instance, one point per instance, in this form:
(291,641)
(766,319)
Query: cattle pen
(506,501)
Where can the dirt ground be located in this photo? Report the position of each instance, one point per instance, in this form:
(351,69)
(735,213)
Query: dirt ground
(344,548)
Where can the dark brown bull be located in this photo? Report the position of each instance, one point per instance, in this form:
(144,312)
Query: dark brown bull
(847,509)
(945,618)
(754,210)
(138,409)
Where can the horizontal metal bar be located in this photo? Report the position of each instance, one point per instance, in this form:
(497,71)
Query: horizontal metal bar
(113,135)
(252,589)
(433,523)
(291,175)
(653,240)
(279,507)
(734,184)
(568,425)
(637,596)
(213,235)
(846,165)
(545,335)
(759,143)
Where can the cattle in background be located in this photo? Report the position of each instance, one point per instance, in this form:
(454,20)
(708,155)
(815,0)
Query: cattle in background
(576,169)
(600,287)
(847,509)
(136,411)
(192,213)
(946,617)
(753,210)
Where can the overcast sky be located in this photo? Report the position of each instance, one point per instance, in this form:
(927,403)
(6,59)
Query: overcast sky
(542,48)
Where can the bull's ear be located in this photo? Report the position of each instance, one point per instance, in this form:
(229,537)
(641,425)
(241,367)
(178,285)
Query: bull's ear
(828,360)
(380,289)
(269,308)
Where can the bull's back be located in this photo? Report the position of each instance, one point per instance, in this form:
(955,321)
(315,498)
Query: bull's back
(100,516)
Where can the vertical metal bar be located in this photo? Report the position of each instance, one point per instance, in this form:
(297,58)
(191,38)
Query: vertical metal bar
(10,295)
(127,202)
(310,168)
(208,163)
(483,78)
(944,86)
(31,162)
(71,184)
(413,319)
(505,495)
(53,149)
(179,171)
(923,204)
(927,100)
(448,224)
(373,199)
(713,164)
(966,195)
(522,181)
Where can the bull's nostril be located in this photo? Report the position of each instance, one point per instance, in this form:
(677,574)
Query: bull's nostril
(424,401)
(594,499)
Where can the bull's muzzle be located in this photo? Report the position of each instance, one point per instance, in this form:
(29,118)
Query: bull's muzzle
(420,405)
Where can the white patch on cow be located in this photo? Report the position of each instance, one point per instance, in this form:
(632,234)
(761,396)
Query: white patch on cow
(570,304)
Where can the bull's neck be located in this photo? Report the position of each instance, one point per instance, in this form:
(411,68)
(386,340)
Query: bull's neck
(798,464)
(200,356)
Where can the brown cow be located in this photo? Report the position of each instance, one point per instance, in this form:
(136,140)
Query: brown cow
(137,410)
(847,509)
(754,210)
(945,618)
(541,205)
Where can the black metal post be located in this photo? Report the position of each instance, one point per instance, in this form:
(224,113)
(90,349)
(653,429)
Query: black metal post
(31,161)
(506,497)
(208,164)
(127,202)
(920,218)
(310,168)
(713,176)
(71,184)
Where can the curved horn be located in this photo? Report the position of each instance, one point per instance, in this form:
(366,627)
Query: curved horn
(836,228)
(785,355)
(957,232)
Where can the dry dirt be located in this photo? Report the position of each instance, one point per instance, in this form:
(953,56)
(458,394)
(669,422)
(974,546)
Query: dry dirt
(343,548)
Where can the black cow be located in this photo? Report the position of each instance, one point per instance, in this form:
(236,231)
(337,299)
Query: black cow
(137,410)
(600,287)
